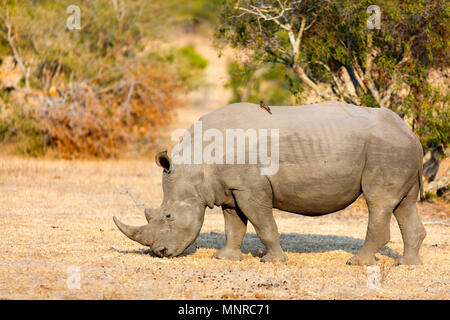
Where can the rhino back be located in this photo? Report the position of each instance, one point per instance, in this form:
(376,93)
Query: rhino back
(323,149)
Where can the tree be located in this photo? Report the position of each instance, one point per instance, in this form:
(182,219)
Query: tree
(331,49)
(99,90)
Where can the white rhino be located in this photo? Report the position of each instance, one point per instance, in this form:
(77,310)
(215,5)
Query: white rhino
(328,155)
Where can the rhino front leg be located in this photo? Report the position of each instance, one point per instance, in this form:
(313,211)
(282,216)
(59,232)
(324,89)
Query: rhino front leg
(258,209)
(235,228)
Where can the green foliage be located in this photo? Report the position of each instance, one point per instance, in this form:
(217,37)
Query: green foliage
(412,41)
(431,196)
(189,64)
(24,132)
(113,70)
(30,138)
(195,11)
(113,37)
(266,82)
(431,115)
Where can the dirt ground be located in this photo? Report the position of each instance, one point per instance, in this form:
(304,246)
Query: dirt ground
(58,241)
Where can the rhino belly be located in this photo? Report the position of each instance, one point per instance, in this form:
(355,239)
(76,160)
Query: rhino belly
(319,175)
(303,190)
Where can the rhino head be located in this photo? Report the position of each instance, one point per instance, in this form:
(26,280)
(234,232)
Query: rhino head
(176,224)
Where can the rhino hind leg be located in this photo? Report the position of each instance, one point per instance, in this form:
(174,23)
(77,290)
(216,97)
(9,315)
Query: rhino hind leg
(411,228)
(386,188)
(381,204)
(235,229)
(377,235)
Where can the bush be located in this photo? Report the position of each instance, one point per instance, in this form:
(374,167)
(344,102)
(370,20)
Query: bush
(89,121)
(253,83)
(24,131)
(336,56)
(99,91)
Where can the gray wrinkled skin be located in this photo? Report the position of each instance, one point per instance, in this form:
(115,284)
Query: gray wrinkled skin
(330,153)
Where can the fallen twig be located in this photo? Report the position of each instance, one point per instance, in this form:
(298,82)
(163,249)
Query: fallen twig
(436,222)
(138,204)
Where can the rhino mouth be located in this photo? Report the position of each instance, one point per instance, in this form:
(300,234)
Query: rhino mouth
(162,252)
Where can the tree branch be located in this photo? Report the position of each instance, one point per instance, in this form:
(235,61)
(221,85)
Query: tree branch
(357,73)
(10,40)
(296,41)
(335,79)
(307,80)
(255,11)
(271,13)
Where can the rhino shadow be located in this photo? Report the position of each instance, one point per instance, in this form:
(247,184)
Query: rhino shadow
(140,251)
(291,242)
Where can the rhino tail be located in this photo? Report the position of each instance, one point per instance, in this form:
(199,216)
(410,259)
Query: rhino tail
(422,194)
(420,173)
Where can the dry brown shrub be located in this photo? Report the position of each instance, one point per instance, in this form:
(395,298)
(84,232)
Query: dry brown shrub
(87,119)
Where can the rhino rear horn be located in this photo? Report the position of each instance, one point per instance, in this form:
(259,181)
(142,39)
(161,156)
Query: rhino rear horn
(149,214)
(138,234)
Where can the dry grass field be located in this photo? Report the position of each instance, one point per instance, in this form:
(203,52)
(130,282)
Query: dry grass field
(56,220)
(58,239)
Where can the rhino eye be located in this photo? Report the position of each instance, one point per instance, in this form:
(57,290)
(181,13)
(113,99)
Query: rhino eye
(168,215)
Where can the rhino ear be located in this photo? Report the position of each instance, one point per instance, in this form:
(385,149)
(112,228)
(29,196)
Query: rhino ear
(162,159)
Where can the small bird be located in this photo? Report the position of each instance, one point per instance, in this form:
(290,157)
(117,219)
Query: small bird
(264,106)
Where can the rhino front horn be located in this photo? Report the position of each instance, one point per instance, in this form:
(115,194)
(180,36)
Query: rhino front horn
(138,234)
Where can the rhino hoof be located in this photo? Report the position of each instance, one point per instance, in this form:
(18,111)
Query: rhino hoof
(409,261)
(274,258)
(356,260)
(228,255)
